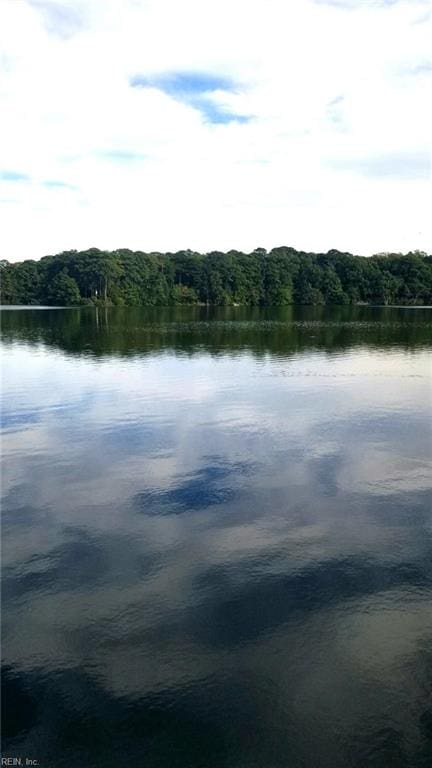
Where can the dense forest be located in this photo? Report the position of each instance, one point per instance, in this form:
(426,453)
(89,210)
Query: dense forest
(279,277)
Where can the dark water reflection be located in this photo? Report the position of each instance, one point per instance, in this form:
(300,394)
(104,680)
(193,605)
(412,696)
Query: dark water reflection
(217,537)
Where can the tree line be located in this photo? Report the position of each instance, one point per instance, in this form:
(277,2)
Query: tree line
(278,277)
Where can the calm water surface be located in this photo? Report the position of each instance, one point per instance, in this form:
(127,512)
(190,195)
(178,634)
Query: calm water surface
(217,538)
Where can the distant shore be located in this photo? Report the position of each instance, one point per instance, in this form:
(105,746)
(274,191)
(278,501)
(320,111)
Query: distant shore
(280,277)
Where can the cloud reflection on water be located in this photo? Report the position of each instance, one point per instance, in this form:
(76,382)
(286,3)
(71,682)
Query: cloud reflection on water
(199,541)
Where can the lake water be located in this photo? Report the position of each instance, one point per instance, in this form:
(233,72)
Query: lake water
(217,537)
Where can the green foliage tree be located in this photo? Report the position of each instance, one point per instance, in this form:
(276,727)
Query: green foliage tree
(279,277)
(332,287)
(64,290)
(182,294)
(8,291)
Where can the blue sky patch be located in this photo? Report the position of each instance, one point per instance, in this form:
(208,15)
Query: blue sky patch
(61,19)
(217,115)
(195,89)
(184,84)
(422,68)
(13,176)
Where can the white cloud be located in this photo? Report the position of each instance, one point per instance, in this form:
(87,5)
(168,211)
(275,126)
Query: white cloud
(337,92)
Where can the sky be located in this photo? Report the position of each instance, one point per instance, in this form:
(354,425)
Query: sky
(162,125)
